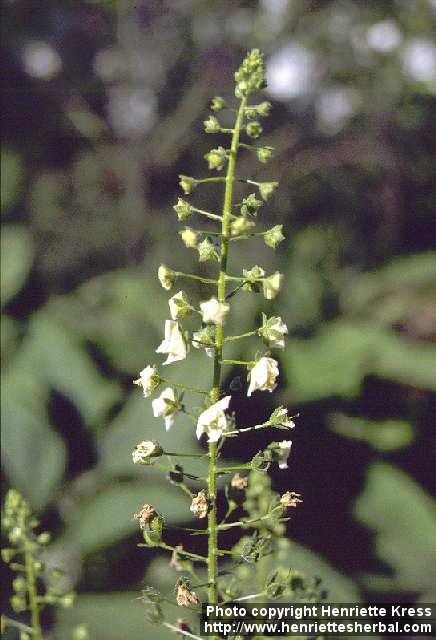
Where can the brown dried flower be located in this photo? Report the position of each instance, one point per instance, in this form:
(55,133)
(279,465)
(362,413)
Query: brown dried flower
(200,504)
(290,499)
(146,514)
(185,596)
(239,482)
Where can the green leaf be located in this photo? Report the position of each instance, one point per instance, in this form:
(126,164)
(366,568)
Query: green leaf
(333,363)
(403,518)
(386,435)
(63,364)
(112,616)
(16,260)
(12,178)
(107,516)
(33,455)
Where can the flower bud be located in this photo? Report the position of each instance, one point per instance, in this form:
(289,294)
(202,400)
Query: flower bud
(67,600)
(44,538)
(189,237)
(81,632)
(211,125)
(216,158)
(254,129)
(240,225)
(264,154)
(166,276)
(183,209)
(218,103)
(263,109)
(253,278)
(274,236)
(188,184)
(204,338)
(266,189)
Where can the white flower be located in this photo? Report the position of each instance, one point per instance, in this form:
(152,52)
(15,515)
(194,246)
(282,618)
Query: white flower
(174,343)
(149,380)
(213,421)
(145,450)
(214,312)
(272,331)
(271,285)
(166,406)
(166,277)
(283,453)
(263,375)
(179,305)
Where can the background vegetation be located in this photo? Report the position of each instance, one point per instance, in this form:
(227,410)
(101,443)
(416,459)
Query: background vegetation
(103,105)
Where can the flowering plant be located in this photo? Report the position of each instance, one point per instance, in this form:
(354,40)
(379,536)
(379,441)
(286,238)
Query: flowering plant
(215,421)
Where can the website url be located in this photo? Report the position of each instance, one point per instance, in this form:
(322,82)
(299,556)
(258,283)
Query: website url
(354,628)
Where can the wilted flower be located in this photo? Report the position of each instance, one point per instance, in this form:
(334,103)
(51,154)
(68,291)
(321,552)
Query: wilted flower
(290,499)
(216,158)
(148,380)
(174,343)
(166,276)
(263,375)
(274,236)
(271,285)
(185,597)
(213,421)
(145,450)
(213,311)
(147,514)
(200,504)
(167,406)
(183,209)
(272,331)
(239,482)
(179,306)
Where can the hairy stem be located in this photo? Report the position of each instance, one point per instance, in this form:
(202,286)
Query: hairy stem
(215,391)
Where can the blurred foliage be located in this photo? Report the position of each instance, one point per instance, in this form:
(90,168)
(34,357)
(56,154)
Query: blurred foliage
(103,108)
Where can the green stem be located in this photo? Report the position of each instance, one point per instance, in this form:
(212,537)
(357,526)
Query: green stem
(242,335)
(184,386)
(192,276)
(31,586)
(215,391)
(182,552)
(213,216)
